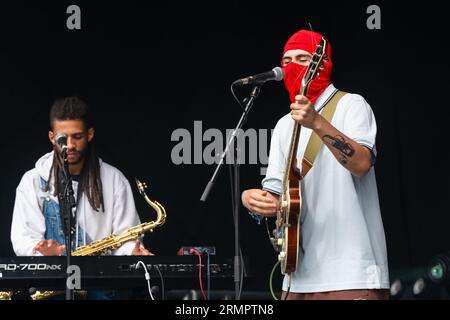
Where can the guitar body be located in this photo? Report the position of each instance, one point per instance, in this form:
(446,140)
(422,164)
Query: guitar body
(291,214)
(287,234)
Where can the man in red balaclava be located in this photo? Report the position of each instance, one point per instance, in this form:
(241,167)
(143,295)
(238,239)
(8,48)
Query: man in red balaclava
(299,49)
(343,248)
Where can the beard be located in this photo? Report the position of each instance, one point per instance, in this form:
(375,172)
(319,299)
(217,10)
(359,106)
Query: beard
(75,157)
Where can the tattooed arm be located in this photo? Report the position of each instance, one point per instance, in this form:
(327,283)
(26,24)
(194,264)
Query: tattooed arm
(353,156)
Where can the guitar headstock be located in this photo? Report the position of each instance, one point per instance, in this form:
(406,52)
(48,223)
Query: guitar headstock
(315,65)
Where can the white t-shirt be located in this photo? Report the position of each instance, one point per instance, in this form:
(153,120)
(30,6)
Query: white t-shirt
(342,232)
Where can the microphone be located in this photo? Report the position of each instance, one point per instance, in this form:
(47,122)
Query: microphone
(61,141)
(275,74)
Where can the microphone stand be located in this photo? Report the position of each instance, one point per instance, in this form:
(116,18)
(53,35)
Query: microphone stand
(236,205)
(66,204)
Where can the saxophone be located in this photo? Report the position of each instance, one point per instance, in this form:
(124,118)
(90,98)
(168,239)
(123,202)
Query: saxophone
(110,243)
(6,295)
(113,242)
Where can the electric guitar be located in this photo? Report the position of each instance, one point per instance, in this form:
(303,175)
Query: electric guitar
(286,239)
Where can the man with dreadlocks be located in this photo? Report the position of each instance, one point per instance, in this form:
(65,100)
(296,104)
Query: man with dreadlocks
(343,250)
(105,203)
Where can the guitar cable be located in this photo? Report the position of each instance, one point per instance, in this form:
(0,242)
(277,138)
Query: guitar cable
(289,287)
(271,239)
(271,281)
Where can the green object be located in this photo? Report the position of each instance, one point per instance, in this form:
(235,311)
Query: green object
(437,271)
(270,281)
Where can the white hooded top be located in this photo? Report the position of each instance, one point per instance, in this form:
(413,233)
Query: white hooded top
(28,223)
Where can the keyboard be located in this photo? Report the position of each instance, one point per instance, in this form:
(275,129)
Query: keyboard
(107,271)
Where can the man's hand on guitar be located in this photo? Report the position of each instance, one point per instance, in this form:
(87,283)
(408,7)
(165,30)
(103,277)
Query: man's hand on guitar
(303,112)
(49,248)
(260,202)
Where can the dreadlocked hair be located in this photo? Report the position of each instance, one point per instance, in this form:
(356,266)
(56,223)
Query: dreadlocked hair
(90,183)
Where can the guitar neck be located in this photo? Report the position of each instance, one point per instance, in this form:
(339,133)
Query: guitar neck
(291,168)
(287,232)
(292,171)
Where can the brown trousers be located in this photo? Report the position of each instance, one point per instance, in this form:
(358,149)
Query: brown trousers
(364,294)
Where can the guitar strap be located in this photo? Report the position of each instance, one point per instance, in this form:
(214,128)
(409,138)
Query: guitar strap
(314,143)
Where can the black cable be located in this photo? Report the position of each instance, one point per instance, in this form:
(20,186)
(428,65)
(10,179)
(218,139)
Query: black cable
(208,275)
(66,187)
(230,171)
(287,293)
(234,178)
(162,282)
(241,285)
(241,256)
(235,97)
(288,287)
(268,231)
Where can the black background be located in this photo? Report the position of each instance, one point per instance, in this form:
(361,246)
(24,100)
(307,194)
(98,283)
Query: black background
(147,70)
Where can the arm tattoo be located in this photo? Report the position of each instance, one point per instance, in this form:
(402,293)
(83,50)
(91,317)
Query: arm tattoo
(345,149)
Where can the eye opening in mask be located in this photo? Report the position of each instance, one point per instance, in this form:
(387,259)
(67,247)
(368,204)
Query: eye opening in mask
(302,59)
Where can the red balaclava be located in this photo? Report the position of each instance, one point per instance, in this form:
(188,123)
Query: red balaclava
(294,72)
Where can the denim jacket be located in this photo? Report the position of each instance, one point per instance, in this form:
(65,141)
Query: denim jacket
(53,221)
